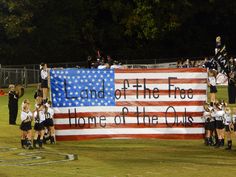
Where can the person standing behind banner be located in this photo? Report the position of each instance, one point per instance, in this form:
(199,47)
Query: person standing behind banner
(44,81)
(232,81)
(115,65)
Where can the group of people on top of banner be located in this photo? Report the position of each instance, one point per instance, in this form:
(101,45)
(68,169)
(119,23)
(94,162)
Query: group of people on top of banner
(41,115)
(220,119)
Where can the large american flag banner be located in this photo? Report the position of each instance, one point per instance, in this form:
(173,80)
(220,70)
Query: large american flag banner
(128,103)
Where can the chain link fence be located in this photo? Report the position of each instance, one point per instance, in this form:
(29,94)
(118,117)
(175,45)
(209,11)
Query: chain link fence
(29,74)
(21,76)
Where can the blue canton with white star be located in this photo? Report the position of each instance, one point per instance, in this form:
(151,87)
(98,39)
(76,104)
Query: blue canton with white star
(82,87)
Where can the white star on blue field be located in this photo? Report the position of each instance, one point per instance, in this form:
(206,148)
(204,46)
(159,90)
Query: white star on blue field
(82,87)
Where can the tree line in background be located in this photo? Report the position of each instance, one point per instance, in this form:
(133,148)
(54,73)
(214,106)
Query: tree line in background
(32,31)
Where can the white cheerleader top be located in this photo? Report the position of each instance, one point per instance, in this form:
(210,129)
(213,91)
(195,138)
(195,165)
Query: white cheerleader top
(25,115)
(212,80)
(228,119)
(219,115)
(49,114)
(41,116)
(206,115)
(44,74)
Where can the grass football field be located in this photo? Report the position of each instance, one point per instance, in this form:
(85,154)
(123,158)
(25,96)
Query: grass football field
(111,157)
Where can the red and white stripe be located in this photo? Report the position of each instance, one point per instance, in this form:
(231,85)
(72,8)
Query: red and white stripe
(78,126)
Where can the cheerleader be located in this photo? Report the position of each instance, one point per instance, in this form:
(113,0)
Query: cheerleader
(219,116)
(214,137)
(228,126)
(44,81)
(207,117)
(38,93)
(49,113)
(39,119)
(212,85)
(224,104)
(26,118)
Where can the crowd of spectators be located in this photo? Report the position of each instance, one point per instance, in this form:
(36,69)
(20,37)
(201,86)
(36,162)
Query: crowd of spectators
(200,63)
(189,64)
(203,63)
(103,62)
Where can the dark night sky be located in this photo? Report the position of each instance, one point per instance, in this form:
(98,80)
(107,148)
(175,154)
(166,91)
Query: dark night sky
(69,32)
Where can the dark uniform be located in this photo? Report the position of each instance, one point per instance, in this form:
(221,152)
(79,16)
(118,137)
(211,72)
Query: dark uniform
(232,84)
(13,106)
(234,121)
(221,56)
(227,68)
